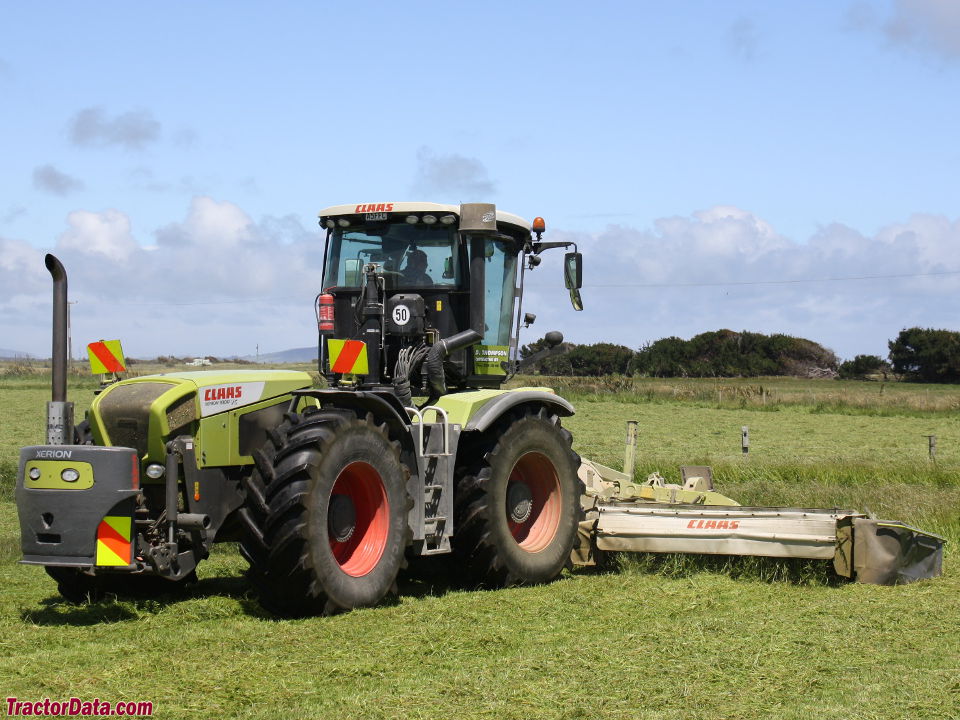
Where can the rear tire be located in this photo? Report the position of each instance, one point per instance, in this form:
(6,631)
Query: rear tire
(326,515)
(518,504)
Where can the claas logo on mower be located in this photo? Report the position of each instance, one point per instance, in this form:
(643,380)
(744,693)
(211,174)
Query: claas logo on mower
(223,393)
(713,524)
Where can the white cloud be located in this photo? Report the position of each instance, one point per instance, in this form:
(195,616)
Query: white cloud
(132,130)
(726,268)
(106,234)
(216,282)
(742,39)
(928,26)
(21,268)
(463,178)
(51,180)
(220,282)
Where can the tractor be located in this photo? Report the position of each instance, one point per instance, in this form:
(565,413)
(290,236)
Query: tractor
(412,449)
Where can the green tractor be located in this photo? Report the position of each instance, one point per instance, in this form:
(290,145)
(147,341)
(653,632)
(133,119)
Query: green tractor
(413,449)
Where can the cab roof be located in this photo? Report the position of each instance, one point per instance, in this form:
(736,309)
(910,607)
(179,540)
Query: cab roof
(407,208)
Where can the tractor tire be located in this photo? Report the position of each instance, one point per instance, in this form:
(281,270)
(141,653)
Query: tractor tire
(326,514)
(75,586)
(78,587)
(517,504)
(82,434)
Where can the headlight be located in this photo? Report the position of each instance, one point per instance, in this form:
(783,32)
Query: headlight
(155,471)
(35,473)
(69,475)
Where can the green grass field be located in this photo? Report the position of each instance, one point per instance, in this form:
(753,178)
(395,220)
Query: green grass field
(658,639)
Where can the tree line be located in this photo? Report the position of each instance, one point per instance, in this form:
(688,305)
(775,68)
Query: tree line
(915,354)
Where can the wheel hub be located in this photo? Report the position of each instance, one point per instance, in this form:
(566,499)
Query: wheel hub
(341,518)
(519,502)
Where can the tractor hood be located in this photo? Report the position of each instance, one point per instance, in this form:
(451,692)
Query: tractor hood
(222,390)
(144,412)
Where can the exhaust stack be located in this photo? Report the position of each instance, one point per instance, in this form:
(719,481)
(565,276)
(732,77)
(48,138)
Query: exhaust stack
(59,411)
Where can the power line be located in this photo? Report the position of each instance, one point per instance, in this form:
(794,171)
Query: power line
(776,282)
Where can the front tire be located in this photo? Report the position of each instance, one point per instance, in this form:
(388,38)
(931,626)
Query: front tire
(78,587)
(326,515)
(518,503)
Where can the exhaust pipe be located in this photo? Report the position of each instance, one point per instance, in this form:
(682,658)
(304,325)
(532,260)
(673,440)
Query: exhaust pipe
(433,365)
(59,411)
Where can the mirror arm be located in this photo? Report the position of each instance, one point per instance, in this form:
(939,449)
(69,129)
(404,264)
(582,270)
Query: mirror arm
(539,247)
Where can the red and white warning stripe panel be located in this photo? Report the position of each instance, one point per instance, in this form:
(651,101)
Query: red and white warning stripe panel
(106,356)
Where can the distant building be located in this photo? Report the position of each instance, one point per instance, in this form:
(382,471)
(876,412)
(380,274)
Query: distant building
(198,362)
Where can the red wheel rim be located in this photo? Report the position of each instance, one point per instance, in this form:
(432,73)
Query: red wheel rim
(535,470)
(362,485)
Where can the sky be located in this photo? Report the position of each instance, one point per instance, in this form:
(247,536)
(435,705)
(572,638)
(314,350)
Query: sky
(772,167)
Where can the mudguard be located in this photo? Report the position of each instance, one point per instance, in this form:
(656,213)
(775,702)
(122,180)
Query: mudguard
(494,408)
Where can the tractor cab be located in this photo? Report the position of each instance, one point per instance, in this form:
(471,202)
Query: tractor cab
(401,277)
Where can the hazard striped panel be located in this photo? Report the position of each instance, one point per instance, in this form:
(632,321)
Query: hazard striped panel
(113,540)
(348,356)
(106,356)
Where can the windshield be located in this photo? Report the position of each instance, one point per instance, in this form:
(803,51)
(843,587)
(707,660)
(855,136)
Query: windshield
(501,277)
(410,256)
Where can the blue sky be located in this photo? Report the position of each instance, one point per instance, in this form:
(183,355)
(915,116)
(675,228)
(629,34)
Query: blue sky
(175,157)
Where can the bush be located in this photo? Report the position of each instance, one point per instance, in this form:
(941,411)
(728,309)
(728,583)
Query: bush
(861,366)
(927,355)
(725,353)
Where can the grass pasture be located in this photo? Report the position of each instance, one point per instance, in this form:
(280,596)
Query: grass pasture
(661,638)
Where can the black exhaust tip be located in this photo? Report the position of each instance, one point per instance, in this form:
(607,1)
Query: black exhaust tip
(59,351)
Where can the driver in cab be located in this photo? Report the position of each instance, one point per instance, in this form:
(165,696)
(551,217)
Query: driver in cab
(415,273)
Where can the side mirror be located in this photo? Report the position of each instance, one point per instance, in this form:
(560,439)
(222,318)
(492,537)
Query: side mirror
(573,278)
(573,270)
(351,272)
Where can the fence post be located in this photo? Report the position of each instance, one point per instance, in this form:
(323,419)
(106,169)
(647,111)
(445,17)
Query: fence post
(630,455)
(932,446)
(745,439)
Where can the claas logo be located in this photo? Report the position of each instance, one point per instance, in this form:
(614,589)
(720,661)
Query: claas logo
(223,393)
(713,524)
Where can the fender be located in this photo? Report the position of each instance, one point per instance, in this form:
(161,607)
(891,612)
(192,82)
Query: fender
(383,406)
(496,407)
